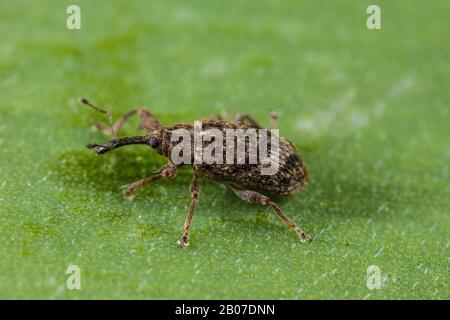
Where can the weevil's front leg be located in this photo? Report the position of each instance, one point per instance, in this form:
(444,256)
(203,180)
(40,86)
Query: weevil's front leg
(255,197)
(168,171)
(195,194)
(149,122)
(241,118)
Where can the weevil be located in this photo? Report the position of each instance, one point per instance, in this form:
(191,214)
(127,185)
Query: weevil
(245,180)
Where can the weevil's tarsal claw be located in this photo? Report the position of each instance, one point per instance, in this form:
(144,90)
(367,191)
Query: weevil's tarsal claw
(183,242)
(128,192)
(305,238)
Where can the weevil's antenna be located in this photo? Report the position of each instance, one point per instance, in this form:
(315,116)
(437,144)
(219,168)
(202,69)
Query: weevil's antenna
(108,114)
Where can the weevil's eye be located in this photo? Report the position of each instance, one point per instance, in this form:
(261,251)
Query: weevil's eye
(153,142)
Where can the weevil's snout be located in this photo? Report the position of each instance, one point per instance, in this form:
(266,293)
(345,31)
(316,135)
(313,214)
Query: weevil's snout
(91,145)
(100,148)
(116,143)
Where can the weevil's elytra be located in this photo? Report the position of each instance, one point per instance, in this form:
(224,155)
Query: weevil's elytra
(245,180)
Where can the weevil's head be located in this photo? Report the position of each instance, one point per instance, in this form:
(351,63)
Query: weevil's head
(155,140)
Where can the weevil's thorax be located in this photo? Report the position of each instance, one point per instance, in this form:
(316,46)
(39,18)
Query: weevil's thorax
(172,136)
(169,138)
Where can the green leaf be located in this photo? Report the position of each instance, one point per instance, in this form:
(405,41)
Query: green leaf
(367,109)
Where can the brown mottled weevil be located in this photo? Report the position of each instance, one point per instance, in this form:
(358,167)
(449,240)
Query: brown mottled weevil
(245,180)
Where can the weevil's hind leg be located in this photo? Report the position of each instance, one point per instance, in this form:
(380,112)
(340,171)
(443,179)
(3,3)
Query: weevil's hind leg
(255,197)
(245,118)
(168,171)
(195,194)
(148,122)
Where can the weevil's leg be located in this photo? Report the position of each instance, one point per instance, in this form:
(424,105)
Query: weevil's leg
(241,118)
(148,122)
(116,126)
(226,116)
(273,118)
(222,116)
(195,194)
(168,171)
(255,197)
